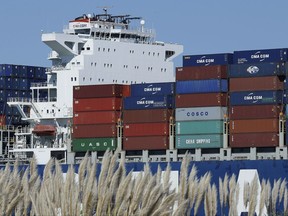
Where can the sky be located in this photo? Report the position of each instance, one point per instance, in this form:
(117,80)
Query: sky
(201,26)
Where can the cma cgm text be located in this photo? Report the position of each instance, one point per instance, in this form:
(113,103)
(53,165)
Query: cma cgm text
(200,61)
(256,97)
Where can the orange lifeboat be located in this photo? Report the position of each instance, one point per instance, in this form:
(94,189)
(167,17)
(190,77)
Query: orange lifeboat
(47,130)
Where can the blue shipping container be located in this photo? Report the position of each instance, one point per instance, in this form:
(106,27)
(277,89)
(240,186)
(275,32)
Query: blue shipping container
(257,69)
(23,84)
(152,89)
(6,70)
(30,72)
(201,86)
(253,56)
(148,102)
(208,59)
(256,97)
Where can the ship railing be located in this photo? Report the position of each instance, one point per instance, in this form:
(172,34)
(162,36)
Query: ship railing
(7,127)
(43,84)
(51,99)
(19,99)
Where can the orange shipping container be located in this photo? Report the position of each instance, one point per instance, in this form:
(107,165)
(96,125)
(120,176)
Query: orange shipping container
(97,104)
(146,129)
(254,126)
(100,117)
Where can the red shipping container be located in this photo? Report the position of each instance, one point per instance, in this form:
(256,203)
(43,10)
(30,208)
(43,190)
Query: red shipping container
(93,91)
(254,126)
(149,115)
(256,84)
(247,140)
(201,100)
(100,117)
(97,104)
(93,131)
(2,120)
(254,112)
(146,143)
(202,72)
(146,129)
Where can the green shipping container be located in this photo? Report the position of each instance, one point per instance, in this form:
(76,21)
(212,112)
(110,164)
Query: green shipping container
(94,144)
(199,141)
(199,127)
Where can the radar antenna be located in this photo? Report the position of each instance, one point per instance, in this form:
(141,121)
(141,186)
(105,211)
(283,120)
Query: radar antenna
(105,8)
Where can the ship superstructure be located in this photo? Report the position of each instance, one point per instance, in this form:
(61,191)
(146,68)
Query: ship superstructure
(93,49)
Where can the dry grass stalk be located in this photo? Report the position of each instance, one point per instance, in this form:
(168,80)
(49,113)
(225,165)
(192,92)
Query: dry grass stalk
(253,196)
(275,195)
(263,195)
(285,202)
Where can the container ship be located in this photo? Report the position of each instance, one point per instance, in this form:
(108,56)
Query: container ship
(113,86)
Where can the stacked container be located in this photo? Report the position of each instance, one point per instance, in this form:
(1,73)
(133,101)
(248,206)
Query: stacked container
(146,116)
(256,97)
(201,101)
(96,114)
(15,81)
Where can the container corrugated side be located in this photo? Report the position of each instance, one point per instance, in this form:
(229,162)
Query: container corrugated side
(93,91)
(96,130)
(201,86)
(256,84)
(94,144)
(257,69)
(246,140)
(97,104)
(202,72)
(256,97)
(199,141)
(254,126)
(145,116)
(146,143)
(199,127)
(254,112)
(207,59)
(263,55)
(100,117)
(145,129)
(200,113)
(148,89)
(201,100)
(149,102)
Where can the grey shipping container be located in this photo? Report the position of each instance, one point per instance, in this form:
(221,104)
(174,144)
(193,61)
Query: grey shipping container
(200,113)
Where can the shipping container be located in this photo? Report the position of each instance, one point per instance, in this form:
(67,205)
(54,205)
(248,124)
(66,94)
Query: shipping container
(199,141)
(94,144)
(201,86)
(199,127)
(30,72)
(100,117)
(145,129)
(146,116)
(23,84)
(149,102)
(265,55)
(6,70)
(200,113)
(255,112)
(96,130)
(2,119)
(254,126)
(246,140)
(6,83)
(201,72)
(256,83)
(97,104)
(146,143)
(256,97)
(207,59)
(201,100)
(94,91)
(149,89)
(257,69)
